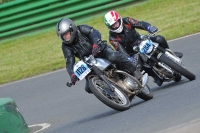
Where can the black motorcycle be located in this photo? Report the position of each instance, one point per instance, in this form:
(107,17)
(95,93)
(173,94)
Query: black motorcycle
(163,62)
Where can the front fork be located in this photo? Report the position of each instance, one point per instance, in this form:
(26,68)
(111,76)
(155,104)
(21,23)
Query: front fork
(170,55)
(102,77)
(159,63)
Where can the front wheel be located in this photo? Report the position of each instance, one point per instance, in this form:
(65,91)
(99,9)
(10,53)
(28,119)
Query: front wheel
(177,67)
(145,94)
(116,99)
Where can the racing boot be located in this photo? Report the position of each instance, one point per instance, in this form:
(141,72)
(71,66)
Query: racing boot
(143,78)
(157,80)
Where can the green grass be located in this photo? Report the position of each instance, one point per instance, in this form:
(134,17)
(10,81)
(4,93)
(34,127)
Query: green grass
(40,53)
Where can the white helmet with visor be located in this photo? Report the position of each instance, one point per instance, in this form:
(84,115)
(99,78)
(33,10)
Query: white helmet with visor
(113,21)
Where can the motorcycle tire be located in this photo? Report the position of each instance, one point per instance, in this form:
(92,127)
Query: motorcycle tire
(146,94)
(117,100)
(177,67)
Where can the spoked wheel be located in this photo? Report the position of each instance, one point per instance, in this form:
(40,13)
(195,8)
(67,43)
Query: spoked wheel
(116,99)
(177,67)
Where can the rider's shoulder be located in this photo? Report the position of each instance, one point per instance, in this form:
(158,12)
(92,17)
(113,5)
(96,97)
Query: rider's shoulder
(126,19)
(84,27)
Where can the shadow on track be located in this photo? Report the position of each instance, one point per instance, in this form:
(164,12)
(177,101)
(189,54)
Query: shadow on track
(169,85)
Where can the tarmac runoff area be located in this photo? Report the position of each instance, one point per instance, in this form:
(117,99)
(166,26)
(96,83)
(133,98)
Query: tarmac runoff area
(188,127)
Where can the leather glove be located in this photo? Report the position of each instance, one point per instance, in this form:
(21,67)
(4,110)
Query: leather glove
(152,29)
(95,49)
(74,79)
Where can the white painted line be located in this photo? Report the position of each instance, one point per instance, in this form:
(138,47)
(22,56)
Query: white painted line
(43,125)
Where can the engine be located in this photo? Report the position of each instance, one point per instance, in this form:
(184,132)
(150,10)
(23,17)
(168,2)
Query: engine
(130,84)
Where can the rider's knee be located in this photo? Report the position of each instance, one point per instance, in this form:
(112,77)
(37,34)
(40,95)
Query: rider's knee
(113,56)
(162,41)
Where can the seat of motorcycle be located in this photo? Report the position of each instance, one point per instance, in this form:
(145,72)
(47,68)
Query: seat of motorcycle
(179,54)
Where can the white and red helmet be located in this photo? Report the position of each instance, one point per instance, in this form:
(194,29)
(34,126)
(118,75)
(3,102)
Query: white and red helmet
(112,18)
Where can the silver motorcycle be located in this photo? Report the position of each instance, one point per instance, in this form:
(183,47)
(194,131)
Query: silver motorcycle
(113,87)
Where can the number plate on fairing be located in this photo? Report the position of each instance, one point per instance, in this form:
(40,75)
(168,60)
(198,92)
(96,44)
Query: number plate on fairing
(146,47)
(81,70)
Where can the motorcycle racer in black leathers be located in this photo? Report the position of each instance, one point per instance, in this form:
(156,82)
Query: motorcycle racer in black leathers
(122,35)
(83,40)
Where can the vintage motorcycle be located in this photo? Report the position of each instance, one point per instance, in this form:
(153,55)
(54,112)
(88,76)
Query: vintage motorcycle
(111,86)
(164,62)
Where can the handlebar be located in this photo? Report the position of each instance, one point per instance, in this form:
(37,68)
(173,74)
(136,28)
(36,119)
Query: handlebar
(144,37)
(153,34)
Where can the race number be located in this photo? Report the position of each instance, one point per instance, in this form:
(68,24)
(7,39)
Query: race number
(81,70)
(146,47)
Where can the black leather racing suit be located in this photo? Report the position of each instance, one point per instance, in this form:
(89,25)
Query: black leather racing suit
(82,46)
(129,35)
(125,40)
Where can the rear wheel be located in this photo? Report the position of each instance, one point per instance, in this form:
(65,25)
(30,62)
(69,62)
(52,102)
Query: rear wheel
(116,99)
(177,67)
(145,94)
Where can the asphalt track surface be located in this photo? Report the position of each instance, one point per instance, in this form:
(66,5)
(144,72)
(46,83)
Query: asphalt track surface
(47,101)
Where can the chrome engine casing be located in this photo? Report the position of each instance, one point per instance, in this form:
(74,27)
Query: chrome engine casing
(130,84)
